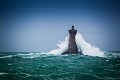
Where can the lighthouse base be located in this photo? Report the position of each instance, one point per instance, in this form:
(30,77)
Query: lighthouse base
(64,53)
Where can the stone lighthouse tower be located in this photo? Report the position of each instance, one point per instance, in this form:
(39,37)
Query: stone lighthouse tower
(72,47)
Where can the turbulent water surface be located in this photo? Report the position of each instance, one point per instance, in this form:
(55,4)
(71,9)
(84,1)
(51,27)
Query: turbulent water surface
(38,66)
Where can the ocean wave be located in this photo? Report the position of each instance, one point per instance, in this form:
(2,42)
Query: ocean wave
(86,48)
(112,54)
(41,55)
(2,73)
(76,76)
(9,56)
(59,67)
(32,55)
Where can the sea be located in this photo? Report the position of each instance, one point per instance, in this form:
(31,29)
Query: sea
(41,66)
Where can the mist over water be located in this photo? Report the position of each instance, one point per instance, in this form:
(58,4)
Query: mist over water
(86,48)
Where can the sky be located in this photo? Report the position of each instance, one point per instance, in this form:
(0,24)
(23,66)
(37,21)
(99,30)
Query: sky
(38,25)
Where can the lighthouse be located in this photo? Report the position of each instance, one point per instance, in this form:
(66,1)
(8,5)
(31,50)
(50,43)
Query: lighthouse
(72,47)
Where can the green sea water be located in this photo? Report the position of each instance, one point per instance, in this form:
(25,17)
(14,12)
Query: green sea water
(37,66)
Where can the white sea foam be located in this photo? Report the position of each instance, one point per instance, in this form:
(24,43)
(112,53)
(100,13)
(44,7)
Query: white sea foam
(2,73)
(87,49)
(62,47)
(6,56)
(32,55)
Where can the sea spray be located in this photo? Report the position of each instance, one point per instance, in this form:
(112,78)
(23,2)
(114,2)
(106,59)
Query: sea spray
(62,47)
(86,48)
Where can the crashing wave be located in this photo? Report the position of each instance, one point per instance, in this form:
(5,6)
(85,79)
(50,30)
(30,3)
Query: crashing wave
(86,48)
